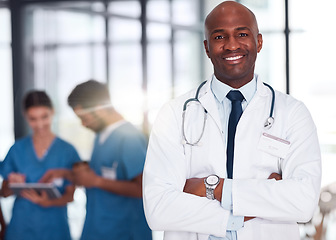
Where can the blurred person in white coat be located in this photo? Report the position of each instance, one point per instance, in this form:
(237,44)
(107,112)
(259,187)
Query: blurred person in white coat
(272,180)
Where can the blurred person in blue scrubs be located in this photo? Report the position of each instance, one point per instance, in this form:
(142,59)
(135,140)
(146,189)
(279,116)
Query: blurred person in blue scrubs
(113,177)
(36,216)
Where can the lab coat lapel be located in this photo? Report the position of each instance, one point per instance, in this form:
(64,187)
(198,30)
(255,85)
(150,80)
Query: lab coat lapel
(208,101)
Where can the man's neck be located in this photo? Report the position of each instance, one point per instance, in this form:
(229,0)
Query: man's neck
(113,118)
(236,83)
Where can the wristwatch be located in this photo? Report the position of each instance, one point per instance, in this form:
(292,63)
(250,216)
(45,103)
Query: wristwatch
(211,183)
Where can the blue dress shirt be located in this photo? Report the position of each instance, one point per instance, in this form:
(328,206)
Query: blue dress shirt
(220,90)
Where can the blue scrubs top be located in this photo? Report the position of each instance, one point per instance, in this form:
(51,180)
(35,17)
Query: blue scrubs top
(30,221)
(108,215)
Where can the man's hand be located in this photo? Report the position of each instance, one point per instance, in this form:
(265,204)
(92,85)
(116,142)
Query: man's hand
(275,176)
(85,176)
(196,187)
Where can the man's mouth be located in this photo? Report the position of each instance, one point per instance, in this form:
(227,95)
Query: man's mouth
(234,58)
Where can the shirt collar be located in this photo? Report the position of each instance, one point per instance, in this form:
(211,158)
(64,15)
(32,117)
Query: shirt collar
(220,90)
(108,130)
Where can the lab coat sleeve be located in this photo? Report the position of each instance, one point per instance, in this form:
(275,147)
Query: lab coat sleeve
(234,222)
(166,206)
(294,198)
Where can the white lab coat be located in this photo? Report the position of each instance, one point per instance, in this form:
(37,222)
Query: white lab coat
(277,205)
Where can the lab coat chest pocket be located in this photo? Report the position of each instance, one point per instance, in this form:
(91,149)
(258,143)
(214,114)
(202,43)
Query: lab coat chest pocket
(273,150)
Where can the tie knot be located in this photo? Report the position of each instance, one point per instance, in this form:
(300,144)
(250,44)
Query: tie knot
(235,95)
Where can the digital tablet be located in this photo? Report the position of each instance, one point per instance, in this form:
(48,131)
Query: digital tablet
(49,188)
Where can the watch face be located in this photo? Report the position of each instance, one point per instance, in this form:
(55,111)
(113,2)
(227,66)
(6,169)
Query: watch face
(212,180)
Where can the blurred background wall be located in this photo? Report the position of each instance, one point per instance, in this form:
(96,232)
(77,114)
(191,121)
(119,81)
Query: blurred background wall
(149,51)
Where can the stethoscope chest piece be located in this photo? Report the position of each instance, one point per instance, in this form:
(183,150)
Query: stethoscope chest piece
(269,122)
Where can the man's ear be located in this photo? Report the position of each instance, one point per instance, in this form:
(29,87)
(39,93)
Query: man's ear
(259,42)
(205,42)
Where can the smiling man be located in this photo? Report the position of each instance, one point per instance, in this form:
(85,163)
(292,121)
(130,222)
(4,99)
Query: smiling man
(232,43)
(214,168)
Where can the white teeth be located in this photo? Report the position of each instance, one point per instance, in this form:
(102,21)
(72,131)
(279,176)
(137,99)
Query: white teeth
(233,58)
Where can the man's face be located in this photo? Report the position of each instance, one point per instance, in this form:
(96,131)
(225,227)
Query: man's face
(232,43)
(90,119)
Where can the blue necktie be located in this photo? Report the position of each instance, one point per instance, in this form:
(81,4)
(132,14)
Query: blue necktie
(236,99)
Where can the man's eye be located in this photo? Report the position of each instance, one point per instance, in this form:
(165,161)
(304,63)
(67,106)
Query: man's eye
(243,35)
(219,37)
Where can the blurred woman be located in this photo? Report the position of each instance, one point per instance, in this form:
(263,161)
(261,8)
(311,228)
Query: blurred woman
(34,215)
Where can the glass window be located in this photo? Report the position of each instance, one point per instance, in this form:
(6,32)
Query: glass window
(312,75)
(124,30)
(126,61)
(313,81)
(126,81)
(270,14)
(6,96)
(159,77)
(158,10)
(312,72)
(158,31)
(187,59)
(270,64)
(63,58)
(68,27)
(126,8)
(159,64)
(185,12)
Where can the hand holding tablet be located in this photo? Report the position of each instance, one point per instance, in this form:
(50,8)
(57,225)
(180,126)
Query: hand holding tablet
(49,188)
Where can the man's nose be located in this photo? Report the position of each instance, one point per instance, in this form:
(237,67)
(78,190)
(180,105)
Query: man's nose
(231,44)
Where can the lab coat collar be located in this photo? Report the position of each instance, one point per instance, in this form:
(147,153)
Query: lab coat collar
(262,93)
(262,90)
(207,99)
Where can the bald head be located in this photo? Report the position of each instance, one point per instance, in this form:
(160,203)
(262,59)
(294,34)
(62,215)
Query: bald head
(229,8)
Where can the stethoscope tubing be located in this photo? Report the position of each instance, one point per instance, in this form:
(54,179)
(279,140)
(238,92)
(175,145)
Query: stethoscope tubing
(268,124)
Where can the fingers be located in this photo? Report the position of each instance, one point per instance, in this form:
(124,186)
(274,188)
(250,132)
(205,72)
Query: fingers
(30,195)
(248,218)
(16,178)
(47,177)
(53,174)
(83,175)
(35,197)
(275,176)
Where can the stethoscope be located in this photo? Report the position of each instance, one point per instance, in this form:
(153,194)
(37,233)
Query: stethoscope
(267,125)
